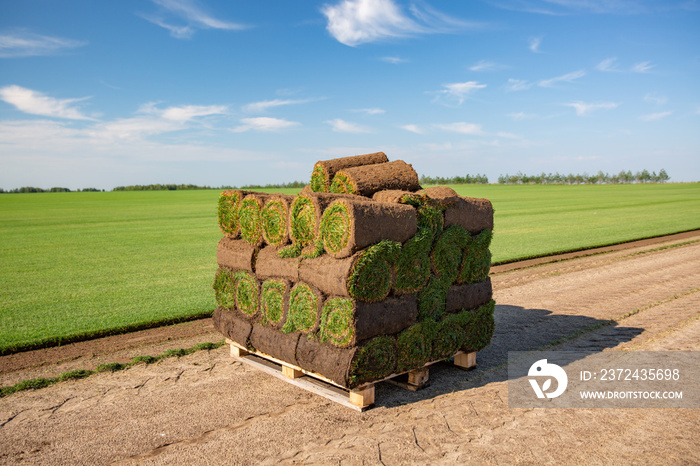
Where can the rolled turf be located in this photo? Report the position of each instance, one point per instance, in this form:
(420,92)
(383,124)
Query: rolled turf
(269,264)
(443,196)
(449,338)
(236,254)
(274,301)
(274,343)
(250,218)
(225,288)
(432,298)
(476,260)
(305,302)
(232,326)
(479,326)
(398,196)
(227,211)
(247,292)
(324,171)
(468,296)
(369,179)
(415,345)
(374,360)
(349,225)
(474,215)
(275,219)
(446,256)
(372,273)
(345,322)
(413,264)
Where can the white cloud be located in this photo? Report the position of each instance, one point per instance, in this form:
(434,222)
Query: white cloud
(262,106)
(534,44)
(643,67)
(413,129)
(342,126)
(354,22)
(568,78)
(521,116)
(517,85)
(370,111)
(609,64)
(264,124)
(27,44)
(36,103)
(460,91)
(654,116)
(184,113)
(462,128)
(193,16)
(484,65)
(655,99)
(394,60)
(583,108)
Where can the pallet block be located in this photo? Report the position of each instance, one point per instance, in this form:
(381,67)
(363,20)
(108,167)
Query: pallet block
(360,398)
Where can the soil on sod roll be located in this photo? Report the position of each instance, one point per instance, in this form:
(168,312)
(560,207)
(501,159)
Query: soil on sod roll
(236,254)
(304,314)
(327,274)
(227,211)
(275,219)
(269,264)
(468,296)
(275,343)
(345,322)
(351,224)
(274,301)
(369,179)
(442,195)
(232,326)
(472,214)
(324,171)
(250,217)
(397,196)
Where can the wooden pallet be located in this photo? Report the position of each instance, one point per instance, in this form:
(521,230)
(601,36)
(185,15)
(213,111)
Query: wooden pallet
(360,398)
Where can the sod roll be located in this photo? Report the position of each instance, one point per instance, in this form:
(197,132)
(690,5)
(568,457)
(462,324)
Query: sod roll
(274,301)
(305,303)
(468,296)
(225,288)
(349,225)
(227,211)
(274,343)
(250,218)
(398,196)
(474,215)
(476,260)
(269,264)
(446,256)
(449,338)
(441,195)
(479,326)
(432,299)
(247,292)
(345,322)
(324,171)
(275,219)
(374,360)
(415,345)
(232,326)
(328,274)
(369,179)
(236,254)
(413,264)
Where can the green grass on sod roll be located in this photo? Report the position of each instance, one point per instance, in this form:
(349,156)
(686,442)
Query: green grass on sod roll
(225,288)
(227,212)
(247,292)
(431,299)
(446,256)
(272,298)
(371,276)
(479,326)
(415,345)
(303,305)
(302,226)
(250,220)
(318,180)
(80,265)
(476,261)
(449,338)
(374,360)
(413,265)
(341,185)
(274,222)
(335,227)
(337,326)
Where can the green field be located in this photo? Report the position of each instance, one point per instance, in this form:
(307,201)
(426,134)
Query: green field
(85,264)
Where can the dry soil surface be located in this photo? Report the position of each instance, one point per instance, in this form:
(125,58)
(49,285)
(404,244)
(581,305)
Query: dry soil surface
(207,408)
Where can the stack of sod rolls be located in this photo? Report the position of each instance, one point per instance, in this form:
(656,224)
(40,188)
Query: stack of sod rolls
(360,276)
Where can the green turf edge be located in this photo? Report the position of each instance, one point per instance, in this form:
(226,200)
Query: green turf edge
(272,300)
(274,222)
(341,184)
(337,322)
(335,227)
(318,180)
(41,382)
(371,276)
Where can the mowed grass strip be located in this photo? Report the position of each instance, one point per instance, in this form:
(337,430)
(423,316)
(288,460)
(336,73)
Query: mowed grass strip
(77,265)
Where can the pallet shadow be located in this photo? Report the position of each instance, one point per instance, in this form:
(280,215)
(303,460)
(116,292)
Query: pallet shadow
(517,329)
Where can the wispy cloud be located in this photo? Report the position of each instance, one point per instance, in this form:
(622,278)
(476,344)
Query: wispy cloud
(369,111)
(342,126)
(567,7)
(534,44)
(643,67)
(655,99)
(355,22)
(608,65)
(514,85)
(462,128)
(484,65)
(265,105)
(36,103)
(518,116)
(413,129)
(655,116)
(583,108)
(190,16)
(264,124)
(27,44)
(567,78)
(183,113)
(394,60)
(459,92)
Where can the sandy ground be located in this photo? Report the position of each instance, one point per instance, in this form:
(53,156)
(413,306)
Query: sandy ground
(207,408)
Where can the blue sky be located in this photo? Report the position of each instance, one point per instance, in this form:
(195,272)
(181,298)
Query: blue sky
(102,94)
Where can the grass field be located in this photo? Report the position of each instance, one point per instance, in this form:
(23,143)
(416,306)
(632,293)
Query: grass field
(83,264)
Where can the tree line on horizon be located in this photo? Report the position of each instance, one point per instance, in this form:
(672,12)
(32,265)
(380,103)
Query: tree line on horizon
(624,177)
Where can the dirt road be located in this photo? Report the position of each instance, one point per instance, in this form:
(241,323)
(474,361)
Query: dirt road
(206,408)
